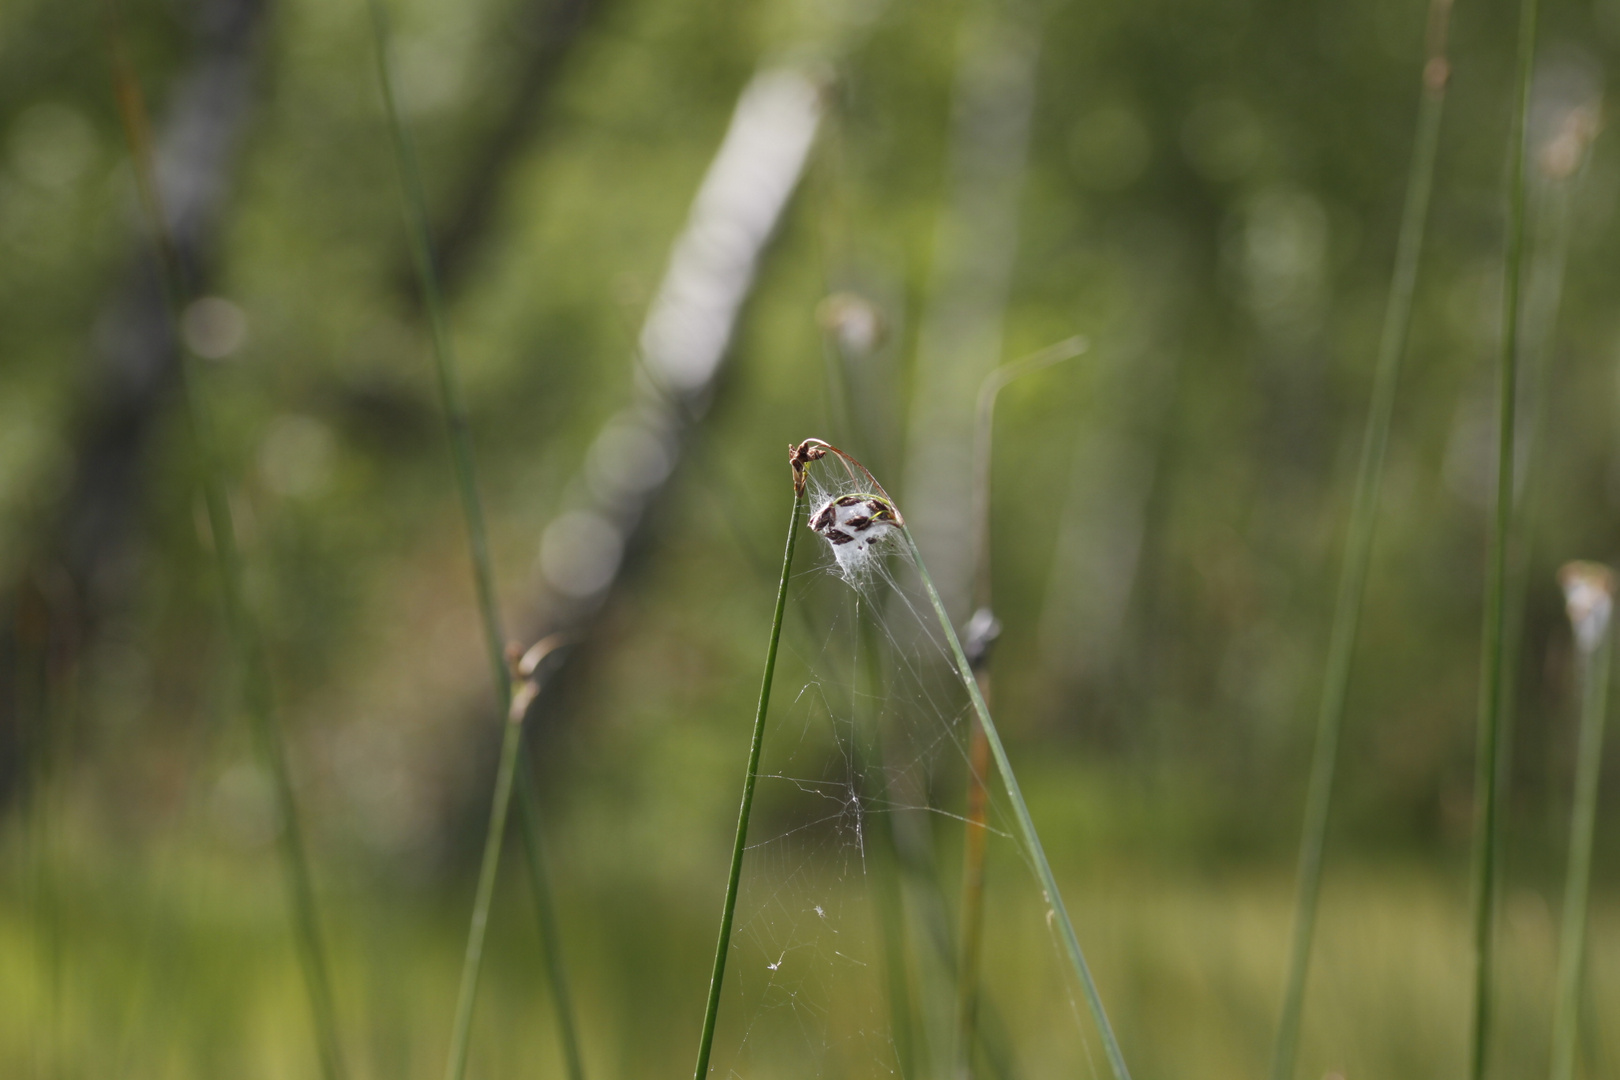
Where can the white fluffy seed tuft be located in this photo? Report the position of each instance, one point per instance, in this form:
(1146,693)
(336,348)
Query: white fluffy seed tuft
(857,526)
(1589,600)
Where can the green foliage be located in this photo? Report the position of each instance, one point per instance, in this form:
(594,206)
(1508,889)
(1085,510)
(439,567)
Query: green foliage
(1212,197)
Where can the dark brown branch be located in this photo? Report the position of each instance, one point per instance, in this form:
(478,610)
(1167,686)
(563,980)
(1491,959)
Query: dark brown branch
(132,366)
(550,29)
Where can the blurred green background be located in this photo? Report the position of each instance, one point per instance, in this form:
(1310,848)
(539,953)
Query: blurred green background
(1208,190)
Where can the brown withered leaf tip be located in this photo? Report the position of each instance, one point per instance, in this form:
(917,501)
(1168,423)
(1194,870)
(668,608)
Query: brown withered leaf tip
(800,457)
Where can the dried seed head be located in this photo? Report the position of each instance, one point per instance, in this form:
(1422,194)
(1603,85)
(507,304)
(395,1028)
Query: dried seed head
(800,457)
(537,652)
(1589,600)
(856,525)
(525,684)
(854,322)
(981,633)
(522,697)
(1563,153)
(855,522)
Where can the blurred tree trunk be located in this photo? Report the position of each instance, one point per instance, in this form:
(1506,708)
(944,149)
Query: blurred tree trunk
(678,365)
(546,32)
(82,567)
(976,247)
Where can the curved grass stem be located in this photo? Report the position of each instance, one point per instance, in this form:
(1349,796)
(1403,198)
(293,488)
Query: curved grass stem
(984,414)
(981,633)
(1490,763)
(1594,671)
(712,1010)
(509,773)
(1359,543)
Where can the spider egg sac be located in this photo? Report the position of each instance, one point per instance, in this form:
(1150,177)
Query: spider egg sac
(855,525)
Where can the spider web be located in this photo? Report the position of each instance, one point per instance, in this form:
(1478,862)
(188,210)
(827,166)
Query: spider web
(844,956)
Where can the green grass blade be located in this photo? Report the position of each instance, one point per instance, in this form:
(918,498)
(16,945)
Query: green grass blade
(444,362)
(971,923)
(984,415)
(1594,670)
(550,932)
(1536,371)
(889,865)
(1026,824)
(712,1010)
(472,960)
(1359,545)
(1490,765)
(509,772)
(258,700)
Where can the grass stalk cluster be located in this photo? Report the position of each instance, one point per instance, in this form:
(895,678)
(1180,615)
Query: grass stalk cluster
(1590,593)
(241,628)
(711,1011)
(1026,824)
(517,687)
(1490,765)
(805,453)
(1359,543)
(982,632)
(510,774)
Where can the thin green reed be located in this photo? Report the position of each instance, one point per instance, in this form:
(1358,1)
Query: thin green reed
(1490,764)
(891,865)
(1590,592)
(1359,544)
(538,865)
(712,1010)
(1562,179)
(509,771)
(981,635)
(884,850)
(910,1044)
(814,449)
(243,632)
(1026,824)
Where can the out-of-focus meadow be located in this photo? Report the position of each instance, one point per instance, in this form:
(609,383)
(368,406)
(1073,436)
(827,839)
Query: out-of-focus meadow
(1208,190)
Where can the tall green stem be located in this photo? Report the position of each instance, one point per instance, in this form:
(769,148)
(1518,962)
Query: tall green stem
(1026,824)
(509,773)
(884,848)
(1536,376)
(1359,545)
(1490,765)
(534,846)
(723,946)
(240,626)
(473,958)
(970,934)
(1572,933)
